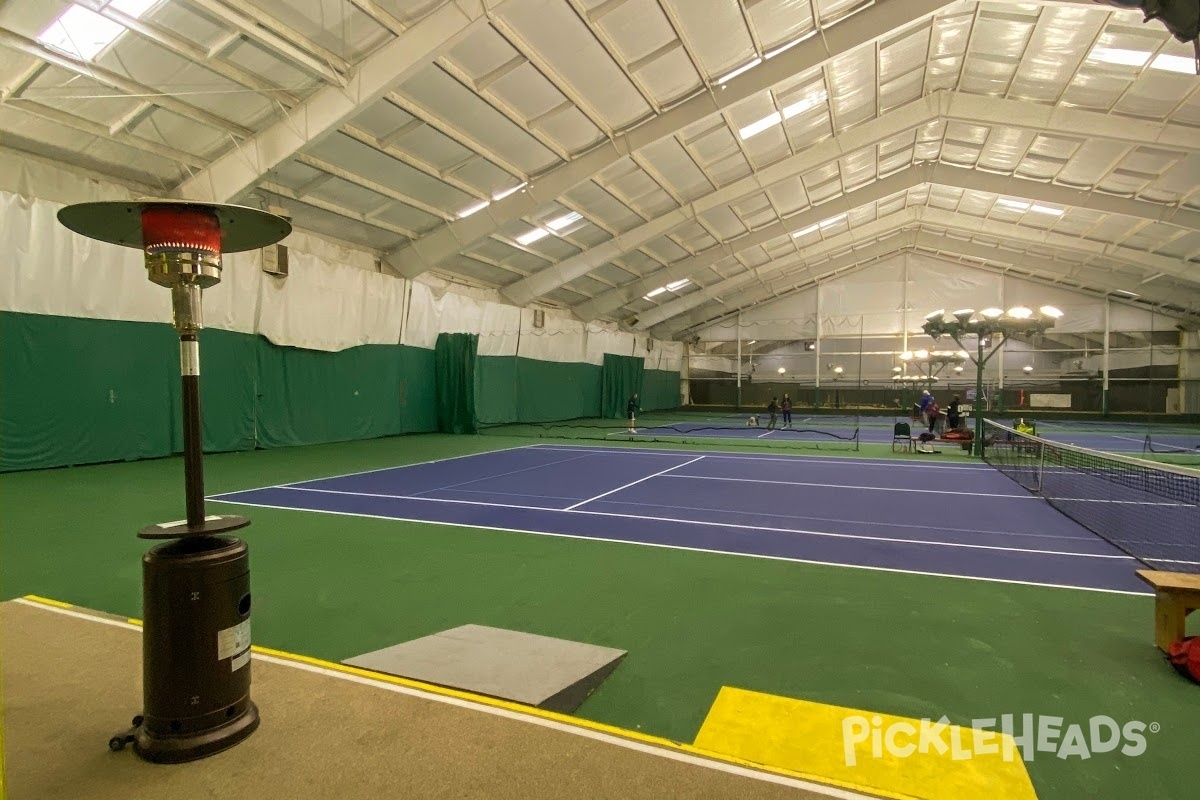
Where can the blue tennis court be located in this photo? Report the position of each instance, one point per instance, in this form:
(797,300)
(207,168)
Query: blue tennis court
(964,520)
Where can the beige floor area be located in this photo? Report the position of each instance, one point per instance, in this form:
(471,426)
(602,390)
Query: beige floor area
(70,683)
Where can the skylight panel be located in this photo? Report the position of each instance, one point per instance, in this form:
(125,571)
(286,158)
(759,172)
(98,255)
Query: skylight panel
(82,33)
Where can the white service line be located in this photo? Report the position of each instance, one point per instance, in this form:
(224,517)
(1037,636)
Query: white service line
(702,523)
(1014,496)
(841,461)
(631,483)
(691,549)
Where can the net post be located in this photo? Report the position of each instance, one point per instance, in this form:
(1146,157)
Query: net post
(1041,466)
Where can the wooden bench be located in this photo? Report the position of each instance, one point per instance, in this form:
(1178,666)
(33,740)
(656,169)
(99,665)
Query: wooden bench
(1176,594)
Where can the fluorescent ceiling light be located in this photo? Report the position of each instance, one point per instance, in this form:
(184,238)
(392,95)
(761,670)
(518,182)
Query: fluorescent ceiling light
(83,34)
(1137,58)
(1184,64)
(755,128)
(532,236)
(469,210)
(1015,205)
(751,65)
(1056,212)
(654,293)
(788,45)
(1126,292)
(1119,56)
(806,104)
(752,341)
(564,221)
(822,224)
(799,107)
(679,284)
(507,192)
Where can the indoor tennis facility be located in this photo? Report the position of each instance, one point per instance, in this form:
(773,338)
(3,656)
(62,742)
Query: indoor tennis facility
(600,399)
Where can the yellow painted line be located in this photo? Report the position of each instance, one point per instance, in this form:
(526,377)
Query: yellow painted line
(850,747)
(460,695)
(48,601)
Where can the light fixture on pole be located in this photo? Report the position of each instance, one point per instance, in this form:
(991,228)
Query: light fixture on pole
(983,326)
(195,586)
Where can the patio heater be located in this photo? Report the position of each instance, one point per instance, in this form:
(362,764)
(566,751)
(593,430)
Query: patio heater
(196,585)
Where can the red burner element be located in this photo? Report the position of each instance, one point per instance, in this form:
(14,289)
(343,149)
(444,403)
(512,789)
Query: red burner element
(167,229)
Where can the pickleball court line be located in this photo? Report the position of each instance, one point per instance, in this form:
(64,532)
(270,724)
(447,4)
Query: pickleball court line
(706,523)
(666,546)
(631,483)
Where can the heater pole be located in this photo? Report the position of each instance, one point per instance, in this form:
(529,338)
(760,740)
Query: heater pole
(193,442)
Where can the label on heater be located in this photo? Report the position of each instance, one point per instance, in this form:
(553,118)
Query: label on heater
(232,641)
(240,661)
(189,358)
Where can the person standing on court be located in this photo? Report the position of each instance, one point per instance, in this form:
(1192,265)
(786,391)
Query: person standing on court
(923,406)
(631,410)
(952,414)
(772,408)
(786,408)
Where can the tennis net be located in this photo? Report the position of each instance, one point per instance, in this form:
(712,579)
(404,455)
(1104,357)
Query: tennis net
(1150,511)
(744,429)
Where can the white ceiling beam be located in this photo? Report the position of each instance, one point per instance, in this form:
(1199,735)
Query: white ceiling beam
(68,120)
(121,83)
(1043,192)
(381,16)
(334,208)
(866,235)
(1148,262)
(863,28)
(329,108)
(904,180)
(272,34)
(689,267)
(334,171)
(941,105)
(911,115)
(196,54)
(1072,275)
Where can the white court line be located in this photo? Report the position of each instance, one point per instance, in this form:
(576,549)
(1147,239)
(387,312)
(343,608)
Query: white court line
(704,523)
(1089,537)
(397,466)
(631,483)
(768,433)
(580,537)
(881,463)
(501,474)
(575,730)
(1022,496)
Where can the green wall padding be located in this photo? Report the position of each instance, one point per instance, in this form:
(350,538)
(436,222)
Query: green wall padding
(552,391)
(310,396)
(513,389)
(621,379)
(77,391)
(82,391)
(496,389)
(454,375)
(660,389)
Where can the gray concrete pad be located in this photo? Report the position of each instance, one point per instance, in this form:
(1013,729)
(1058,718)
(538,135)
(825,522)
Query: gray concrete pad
(541,671)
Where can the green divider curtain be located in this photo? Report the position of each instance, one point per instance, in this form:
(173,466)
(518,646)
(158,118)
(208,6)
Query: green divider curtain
(620,378)
(454,375)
